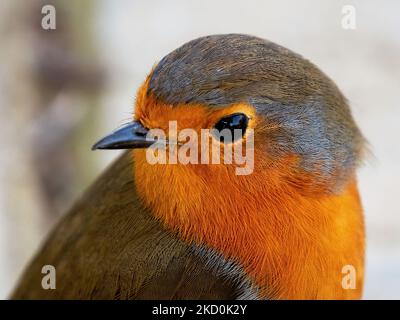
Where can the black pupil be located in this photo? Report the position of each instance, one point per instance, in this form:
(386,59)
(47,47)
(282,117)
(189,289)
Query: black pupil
(238,121)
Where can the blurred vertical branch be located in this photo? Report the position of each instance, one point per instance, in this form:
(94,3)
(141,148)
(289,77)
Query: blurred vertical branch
(49,90)
(67,79)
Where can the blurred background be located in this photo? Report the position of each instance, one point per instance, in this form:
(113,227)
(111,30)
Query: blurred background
(62,89)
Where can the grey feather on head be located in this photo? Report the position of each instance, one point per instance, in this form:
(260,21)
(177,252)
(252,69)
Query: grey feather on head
(313,116)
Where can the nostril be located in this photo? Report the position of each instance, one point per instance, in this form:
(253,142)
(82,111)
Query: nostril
(141,133)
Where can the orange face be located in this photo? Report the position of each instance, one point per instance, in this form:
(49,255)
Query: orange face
(156,115)
(260,220)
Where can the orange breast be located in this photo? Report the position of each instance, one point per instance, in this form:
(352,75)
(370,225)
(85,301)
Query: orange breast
(292,245)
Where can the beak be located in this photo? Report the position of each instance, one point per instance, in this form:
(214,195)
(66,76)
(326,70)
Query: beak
(131,136)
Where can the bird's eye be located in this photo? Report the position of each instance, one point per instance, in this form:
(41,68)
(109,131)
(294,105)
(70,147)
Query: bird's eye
(231,128)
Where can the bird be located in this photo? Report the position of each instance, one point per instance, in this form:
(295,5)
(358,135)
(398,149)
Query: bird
(190,231)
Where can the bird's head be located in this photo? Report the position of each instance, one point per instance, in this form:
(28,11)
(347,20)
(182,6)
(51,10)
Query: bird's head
(299,143)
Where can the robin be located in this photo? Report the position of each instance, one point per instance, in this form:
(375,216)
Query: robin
(286,229)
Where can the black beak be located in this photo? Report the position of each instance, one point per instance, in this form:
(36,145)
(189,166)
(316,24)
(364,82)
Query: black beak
(131,136)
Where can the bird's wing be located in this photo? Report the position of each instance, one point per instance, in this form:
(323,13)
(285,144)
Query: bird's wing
(110,247)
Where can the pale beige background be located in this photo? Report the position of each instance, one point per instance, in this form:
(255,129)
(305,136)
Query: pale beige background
(130,36)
